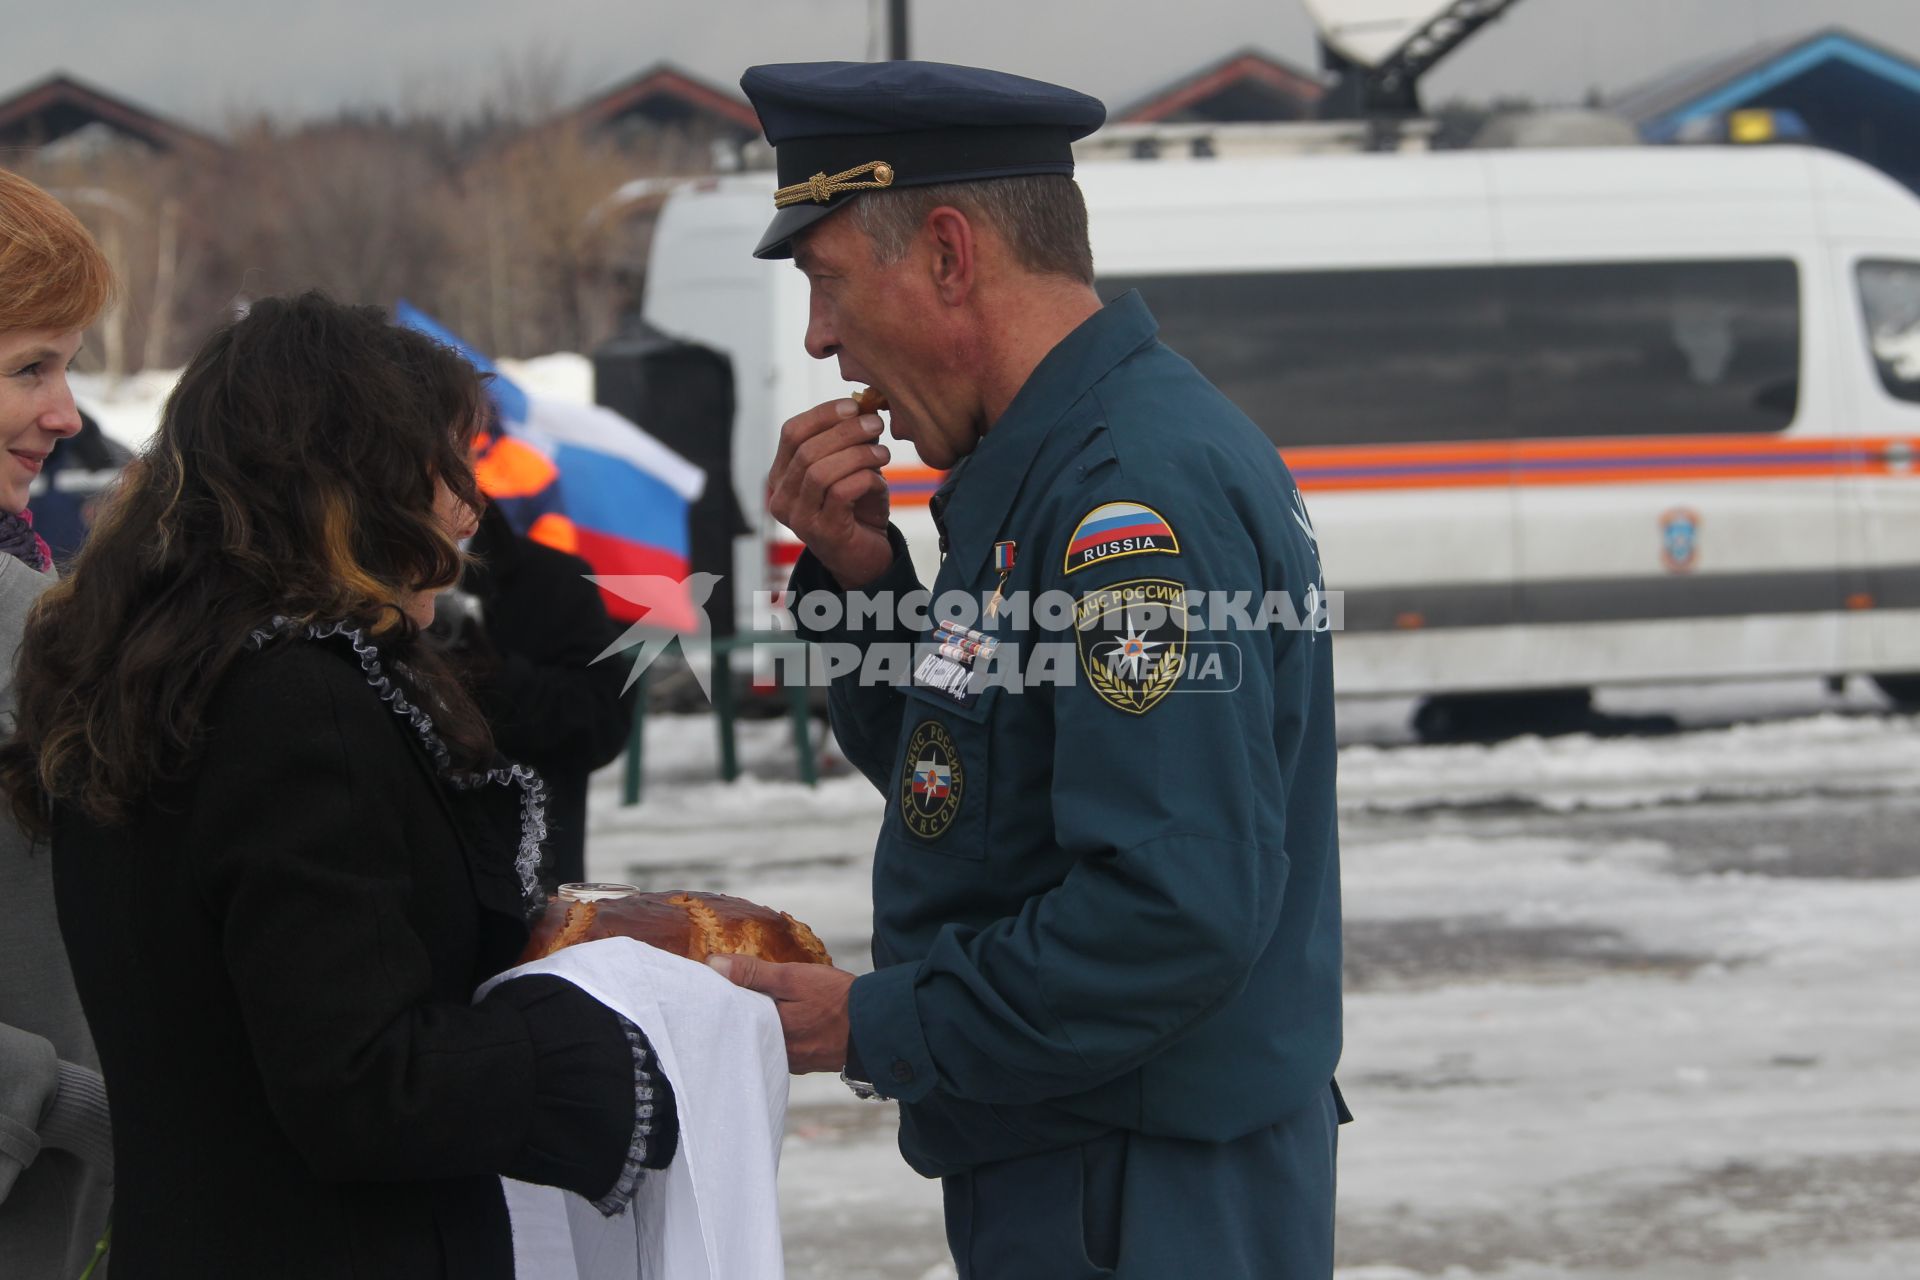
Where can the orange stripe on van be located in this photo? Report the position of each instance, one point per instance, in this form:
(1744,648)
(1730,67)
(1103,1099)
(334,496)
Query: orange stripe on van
(912,486)
(1546,463)
(1626,460)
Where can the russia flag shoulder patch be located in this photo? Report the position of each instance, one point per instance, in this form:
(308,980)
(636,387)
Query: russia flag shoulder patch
(1117,529)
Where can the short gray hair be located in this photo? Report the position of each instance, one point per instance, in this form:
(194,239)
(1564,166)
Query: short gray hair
(1042,217)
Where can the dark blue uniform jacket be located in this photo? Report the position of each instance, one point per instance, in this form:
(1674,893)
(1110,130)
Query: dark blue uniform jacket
(1106,892)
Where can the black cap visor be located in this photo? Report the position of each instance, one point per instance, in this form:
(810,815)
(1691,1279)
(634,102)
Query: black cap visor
(789,222)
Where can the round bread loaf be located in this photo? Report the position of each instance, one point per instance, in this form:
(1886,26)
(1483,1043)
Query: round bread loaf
(694,925)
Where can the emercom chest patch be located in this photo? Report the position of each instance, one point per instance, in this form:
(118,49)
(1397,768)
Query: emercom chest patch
(1132,641)
(1118,529)
(931,781)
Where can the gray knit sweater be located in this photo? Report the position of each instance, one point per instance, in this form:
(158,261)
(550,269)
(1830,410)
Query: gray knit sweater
(56,1150)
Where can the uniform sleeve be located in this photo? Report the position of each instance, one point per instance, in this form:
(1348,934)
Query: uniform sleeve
(865,715)
(1167,795)
(302,860)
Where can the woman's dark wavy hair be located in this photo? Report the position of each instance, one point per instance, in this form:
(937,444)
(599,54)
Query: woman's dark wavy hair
(293,475)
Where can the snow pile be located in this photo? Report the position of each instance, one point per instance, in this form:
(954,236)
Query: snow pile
(1828,754)
(128,411)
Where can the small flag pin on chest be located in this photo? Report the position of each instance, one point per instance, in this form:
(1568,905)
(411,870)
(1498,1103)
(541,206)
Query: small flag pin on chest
(1003,558)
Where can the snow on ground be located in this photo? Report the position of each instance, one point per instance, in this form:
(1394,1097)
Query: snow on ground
(1573,1053)
(1834,752)
(1618,1008)
(1622,1008)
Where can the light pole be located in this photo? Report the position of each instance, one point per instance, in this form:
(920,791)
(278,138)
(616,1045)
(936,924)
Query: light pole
(897,30)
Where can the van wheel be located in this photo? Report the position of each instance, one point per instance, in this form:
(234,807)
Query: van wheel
(1490,717)
(1904,690)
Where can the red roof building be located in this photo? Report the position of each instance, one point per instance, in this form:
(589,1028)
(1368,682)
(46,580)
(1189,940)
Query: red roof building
(61,106)
(1244,87)
(666,97)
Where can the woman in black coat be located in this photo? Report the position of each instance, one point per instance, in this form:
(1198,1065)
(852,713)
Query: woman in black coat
(532,658)
(284,853)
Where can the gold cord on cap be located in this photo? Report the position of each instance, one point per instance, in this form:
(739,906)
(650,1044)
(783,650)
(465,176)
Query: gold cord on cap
(821,188)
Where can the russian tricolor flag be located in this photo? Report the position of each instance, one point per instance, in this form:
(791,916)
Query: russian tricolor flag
(585,480)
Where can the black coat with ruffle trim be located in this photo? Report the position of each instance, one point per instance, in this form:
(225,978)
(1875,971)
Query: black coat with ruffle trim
(278,958)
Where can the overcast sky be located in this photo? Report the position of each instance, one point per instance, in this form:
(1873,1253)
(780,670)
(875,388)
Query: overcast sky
(202,60)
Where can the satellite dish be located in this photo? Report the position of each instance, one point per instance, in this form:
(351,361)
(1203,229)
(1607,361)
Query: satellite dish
(1377,50)
(1368,32)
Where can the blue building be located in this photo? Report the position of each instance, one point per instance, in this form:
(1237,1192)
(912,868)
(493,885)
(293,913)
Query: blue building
(1833,88)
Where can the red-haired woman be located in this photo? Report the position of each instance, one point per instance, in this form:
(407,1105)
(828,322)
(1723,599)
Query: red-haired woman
(56,1155)
(284,851)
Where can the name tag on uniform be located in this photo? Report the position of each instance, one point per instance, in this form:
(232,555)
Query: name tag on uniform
(951,667)
(943,675)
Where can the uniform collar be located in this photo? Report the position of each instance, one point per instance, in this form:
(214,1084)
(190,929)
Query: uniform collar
(982,491)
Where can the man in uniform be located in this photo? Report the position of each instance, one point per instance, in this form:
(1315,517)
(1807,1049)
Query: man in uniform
(1106,986)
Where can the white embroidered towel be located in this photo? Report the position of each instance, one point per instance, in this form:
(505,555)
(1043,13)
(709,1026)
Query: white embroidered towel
(714,1214)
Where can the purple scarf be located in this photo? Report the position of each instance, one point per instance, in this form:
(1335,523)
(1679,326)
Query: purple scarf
(18,540)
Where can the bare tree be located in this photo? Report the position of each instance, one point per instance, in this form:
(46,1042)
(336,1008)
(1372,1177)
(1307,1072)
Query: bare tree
(130,196)
(349,207)
(502,219)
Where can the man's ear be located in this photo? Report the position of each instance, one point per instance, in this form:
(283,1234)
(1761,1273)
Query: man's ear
(954,253)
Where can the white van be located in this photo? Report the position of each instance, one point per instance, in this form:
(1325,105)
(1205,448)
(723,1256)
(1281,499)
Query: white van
(1561,417)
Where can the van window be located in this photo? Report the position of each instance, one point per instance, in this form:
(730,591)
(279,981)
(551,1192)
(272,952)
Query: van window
(1347,356)
(1890,295)
(1476,353)
(1648,348)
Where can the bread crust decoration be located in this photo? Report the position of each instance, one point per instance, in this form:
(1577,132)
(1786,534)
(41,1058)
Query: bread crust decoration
(693,925)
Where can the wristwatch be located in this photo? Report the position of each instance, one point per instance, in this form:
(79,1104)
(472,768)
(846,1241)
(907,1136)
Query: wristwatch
(852,1075)
(862,1089)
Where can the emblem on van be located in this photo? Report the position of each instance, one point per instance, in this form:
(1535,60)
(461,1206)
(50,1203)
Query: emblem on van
(1679,539)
